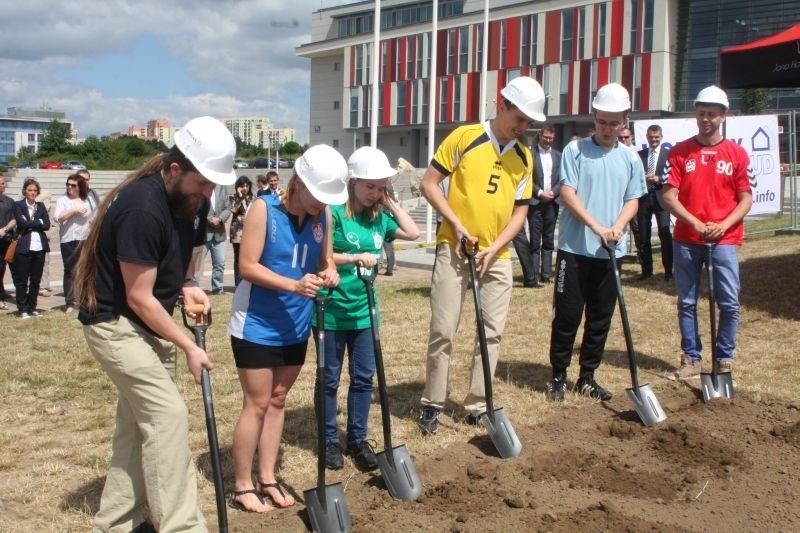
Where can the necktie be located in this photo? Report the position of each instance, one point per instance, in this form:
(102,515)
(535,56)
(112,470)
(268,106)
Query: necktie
(651,168)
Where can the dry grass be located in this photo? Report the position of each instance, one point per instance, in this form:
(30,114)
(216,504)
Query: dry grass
(58,407)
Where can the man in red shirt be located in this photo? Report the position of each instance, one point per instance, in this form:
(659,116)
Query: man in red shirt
(708,190)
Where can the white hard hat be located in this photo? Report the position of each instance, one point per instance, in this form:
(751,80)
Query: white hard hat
(207,143)
(613,98)
(369,163)
(324,173)
(712,95)
(526,93)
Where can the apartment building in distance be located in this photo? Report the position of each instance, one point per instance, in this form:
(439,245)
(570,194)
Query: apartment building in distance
(662,51)
(24,127)
(258,131)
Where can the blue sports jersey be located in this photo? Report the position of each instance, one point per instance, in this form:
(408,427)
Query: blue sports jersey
(271,317)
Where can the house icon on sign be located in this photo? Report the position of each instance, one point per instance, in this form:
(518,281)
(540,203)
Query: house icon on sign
(760,141)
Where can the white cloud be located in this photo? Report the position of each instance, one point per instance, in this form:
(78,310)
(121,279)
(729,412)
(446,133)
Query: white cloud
(242,52)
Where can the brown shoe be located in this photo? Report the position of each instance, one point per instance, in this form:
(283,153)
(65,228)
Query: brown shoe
(725,366)
(689,369)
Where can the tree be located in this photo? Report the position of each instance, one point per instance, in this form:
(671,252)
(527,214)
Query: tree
(291,148)
(754,101)
(56,138)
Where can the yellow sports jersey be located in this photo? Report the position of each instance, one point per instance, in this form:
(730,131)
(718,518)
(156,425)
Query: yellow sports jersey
(485,182)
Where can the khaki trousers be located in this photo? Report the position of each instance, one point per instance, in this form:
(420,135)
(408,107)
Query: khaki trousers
(151,464)
(450,283)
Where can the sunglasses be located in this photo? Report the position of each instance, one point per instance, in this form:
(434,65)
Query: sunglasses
(71,185)
(624,137)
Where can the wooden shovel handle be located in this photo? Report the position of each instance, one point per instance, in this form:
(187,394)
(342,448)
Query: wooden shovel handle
(197,310)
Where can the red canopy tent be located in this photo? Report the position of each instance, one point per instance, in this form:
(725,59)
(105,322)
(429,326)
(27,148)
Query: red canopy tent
(769,62)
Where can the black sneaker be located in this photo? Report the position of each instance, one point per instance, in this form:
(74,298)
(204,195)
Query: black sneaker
(363,455)
(556,389)
(474,419)
(589,387)
(429,420)
(333,456)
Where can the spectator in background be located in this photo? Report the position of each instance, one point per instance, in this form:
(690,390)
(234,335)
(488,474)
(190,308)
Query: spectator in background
(7,225)
(626,138)
(654,159)
(263,185)
(272,180)
(74,215)
(218,215)
(536,253)
(32,222)
(44,285)
(240,203)
(92,197)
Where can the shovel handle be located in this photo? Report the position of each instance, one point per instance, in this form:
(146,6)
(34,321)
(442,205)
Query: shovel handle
(487,371)
(712,310)
(623,312)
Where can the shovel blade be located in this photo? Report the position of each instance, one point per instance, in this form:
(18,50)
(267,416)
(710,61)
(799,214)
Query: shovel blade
(399,474)
(723,388)
(646,405)
(327,509)
(503,435)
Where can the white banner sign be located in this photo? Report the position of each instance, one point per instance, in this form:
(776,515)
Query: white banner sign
(757,134)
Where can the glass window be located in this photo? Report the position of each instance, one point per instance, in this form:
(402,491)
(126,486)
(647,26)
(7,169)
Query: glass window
(463,49)
(337,66)
(336,104)
(401,102)
(384,66)
(479,45)
(634,25)
(503,37)
(354,107)
(425,97)
(581,31)
(414,102)
(566,34)
(601,32)
(457,98)
(335,143)
(411,57)
(359,64)
(451,51)
(442,99)
(637,82)
(420,45)
(563,89)
(647,30)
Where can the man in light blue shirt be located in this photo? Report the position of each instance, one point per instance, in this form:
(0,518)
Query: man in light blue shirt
(601,182)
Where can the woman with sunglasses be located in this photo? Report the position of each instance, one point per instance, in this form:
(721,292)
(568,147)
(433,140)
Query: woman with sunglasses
(74,214)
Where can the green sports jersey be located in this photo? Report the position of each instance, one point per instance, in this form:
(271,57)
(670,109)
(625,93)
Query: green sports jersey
(347,308)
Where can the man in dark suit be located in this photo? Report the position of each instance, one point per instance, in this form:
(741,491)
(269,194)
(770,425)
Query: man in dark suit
(654,158)
(536,255)
(218,214)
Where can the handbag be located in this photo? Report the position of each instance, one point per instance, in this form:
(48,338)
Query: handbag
(11,251)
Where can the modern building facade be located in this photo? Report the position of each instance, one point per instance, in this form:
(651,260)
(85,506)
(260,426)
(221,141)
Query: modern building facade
(663,51)
(25,128)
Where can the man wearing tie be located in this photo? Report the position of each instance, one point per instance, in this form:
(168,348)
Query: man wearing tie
(654,157)
(536,256)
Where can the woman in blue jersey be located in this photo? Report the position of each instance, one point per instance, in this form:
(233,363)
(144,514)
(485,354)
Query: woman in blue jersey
(285,258)
(360,228)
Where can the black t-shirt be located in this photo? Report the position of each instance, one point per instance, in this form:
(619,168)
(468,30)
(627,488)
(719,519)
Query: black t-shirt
(139,228)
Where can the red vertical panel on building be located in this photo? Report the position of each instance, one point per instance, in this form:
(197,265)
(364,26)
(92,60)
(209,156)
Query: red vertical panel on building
(501,82)
(386,120)
(644,94)
(617,22)
(494,45)
(585,81)
(639,26)
(512,42)
(627,72)
(390,51)
(602,71)
(441,53)
(401,59)
(552,37)
(352,66)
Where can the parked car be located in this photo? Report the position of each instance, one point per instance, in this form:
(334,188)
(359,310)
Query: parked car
(285,162)
(262,162)
(240,164)
(73,165)
(51,165)
(27,164)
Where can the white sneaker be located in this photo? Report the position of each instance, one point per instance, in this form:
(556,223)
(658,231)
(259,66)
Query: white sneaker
(23,316)
(35,313)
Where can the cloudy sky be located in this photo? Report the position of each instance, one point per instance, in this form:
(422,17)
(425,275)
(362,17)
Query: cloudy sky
(113,63)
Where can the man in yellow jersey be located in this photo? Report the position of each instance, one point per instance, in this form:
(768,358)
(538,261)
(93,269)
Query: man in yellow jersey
(486,203)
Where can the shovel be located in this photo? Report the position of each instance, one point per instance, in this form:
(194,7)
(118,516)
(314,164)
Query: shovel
(644,400)
(714,385)
(199,330)
(326,505)
(496,421)
(395,463)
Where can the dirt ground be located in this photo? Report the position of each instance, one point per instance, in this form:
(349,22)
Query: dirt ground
(729,465)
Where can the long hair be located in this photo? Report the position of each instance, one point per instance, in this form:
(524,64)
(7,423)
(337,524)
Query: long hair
(371,212)
(83,284)
(83,185)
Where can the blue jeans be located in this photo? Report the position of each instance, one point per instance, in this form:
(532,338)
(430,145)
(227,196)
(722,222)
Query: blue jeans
(217,249)
(689,259)
(361,368)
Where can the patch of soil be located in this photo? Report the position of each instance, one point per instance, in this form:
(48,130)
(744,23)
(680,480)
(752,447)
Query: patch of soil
(729,465)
